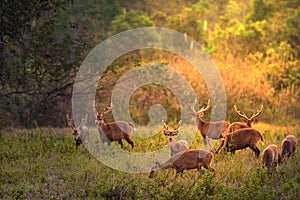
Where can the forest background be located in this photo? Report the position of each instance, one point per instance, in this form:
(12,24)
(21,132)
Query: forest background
(255,45)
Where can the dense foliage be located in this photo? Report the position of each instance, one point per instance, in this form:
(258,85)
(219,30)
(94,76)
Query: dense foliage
(255,44)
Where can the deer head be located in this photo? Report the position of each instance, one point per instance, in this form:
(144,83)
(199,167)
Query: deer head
(101,116)
(76,131)
(246,119)
(200,112)
(170,134)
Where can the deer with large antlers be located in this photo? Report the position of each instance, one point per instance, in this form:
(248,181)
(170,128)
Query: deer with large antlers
(247,121)
(217,129)
(81,132)
(113,131)
(175,147)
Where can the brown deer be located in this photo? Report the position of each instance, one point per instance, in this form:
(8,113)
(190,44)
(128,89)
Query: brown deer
(271,157)
(217,129)
(241,139)
(175,147)
(191,159)
(247,121)
(288,146)
(113,131)
(81,132)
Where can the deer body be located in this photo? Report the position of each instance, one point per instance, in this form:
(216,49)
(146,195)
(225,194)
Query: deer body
(116,131)
(288,146)
(80,133)
(237,125)
(270,157)
(241,139)
(113,131)
(218,129)
(214,130)
(175,147)
(191,159)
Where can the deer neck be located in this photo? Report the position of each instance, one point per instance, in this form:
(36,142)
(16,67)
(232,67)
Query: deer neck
(171,140)
(202,125)
(200,122)
(104,126)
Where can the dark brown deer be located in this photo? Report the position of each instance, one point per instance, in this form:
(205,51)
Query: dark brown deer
(271,157)
(81,132)
(288,146)
(113,131)
(191,159)
(247,121)
(217,129)
(175,147)
(241,139)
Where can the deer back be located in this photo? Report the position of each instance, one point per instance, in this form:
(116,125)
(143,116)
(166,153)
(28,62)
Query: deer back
(244,137)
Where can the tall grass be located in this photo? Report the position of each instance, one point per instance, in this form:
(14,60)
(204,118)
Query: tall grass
(44,164)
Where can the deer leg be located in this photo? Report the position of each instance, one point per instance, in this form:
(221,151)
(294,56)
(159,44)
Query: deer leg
(209,168)
(220,147)
(120,142)
(129,142)
(256,150)
(205,140)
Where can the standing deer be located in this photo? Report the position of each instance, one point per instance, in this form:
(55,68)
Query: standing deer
(247,122)
(81,132)
(175,147)
(241,139)
(217,129)
(113,131)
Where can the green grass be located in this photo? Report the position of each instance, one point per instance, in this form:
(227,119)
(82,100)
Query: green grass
(44,164)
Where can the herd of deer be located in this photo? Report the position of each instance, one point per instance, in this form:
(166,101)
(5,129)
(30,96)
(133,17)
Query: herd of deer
(234,136)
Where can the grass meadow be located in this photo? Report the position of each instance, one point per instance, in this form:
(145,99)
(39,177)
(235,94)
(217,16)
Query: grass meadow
(42,163)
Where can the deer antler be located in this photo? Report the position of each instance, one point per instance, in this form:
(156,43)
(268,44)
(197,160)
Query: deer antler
(108,110)
(165,126)
(95,110)
(257,113)
(178,125)
(193,106)
(244,115)
(205,108)
(70,121)
(84,120)
(240,114)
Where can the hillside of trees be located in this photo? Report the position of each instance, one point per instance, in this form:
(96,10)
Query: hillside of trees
(254,43)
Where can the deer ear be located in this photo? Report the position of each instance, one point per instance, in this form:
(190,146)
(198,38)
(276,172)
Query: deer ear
(166,132)
(201,114)
(176,132)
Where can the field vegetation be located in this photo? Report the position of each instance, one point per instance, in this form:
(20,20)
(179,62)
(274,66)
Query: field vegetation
(42,163)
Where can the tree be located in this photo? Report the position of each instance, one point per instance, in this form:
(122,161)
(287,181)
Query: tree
(130,20)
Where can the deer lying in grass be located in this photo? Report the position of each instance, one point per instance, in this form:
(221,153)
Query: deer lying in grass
(241,139)
(288,146)
(270,157)
(81,132)
(191,159)
(247,122)
(113,131)
(217,129)
(175,147)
